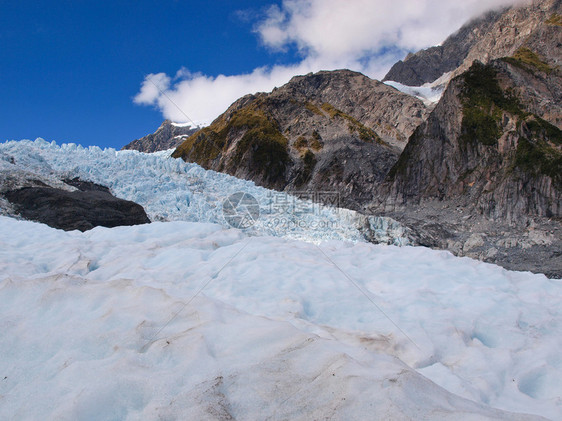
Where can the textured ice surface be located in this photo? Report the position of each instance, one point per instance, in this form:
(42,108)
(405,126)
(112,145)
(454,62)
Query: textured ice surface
(179,320)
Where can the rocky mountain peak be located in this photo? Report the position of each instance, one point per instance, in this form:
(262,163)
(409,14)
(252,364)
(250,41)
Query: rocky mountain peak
(494,35)
(339,131)
(167,136)
(428,65)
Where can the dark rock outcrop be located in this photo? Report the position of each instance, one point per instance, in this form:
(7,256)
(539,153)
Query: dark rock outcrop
(168,136)
(86,185)
(331,131)
(90,206)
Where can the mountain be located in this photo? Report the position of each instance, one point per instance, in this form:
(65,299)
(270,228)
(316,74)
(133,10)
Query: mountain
(168,136)
(337,131)
(487,146)
(428,65)
(480,173)
(494,35)
(482,176)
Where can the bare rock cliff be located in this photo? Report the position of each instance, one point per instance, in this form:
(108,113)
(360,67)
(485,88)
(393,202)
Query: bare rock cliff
(429,64)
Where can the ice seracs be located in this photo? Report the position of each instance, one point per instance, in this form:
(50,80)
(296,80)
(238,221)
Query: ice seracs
(172,190)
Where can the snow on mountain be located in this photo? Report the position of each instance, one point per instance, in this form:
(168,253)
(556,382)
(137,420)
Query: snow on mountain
(193,320)
(188,124)
(430,93)
(189,320)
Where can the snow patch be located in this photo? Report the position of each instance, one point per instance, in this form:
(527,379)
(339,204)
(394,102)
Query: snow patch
(430,93)
(188,124)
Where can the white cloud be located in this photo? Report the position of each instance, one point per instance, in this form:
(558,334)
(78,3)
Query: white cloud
(363,35)
(199,99)
(151,88)
(335,28)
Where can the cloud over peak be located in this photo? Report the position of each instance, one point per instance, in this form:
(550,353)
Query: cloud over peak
(363,35)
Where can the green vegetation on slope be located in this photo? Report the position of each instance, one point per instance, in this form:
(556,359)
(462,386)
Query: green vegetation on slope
(543,129)
(309,162)
(313,109)
(483,105)
(202,147)
(262,144)
(538,150)
(527,59)
(316,141)
(484,102)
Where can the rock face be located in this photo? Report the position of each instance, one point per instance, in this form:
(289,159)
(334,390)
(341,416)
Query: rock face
(331,131)
(83,209)
(482,177)
(536,26)
(428,65)
(168,136)
(495,35)
(485,148)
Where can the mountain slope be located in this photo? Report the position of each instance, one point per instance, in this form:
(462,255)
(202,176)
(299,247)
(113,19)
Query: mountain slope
(331,131)
(168,136)
(482,177)
(494,35)
(427,65)
(483,146)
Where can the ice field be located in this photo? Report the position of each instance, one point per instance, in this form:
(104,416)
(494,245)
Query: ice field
(189,319)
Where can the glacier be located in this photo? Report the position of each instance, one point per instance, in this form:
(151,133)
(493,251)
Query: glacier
(187,318)
(173,190)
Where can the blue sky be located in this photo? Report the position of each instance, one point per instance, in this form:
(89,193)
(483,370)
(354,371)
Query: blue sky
(81,71)
(69,69)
